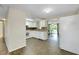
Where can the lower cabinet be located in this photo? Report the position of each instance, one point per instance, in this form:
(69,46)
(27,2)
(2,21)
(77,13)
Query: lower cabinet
(37,34)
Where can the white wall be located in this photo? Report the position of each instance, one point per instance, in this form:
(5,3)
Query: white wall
(3,11)
(69,33)
(15,29)
(1,29)
(51,21)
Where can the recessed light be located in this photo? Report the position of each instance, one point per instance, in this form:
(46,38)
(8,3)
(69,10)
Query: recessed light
(47,10)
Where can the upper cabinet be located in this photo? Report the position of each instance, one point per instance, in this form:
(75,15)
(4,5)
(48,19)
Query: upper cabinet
(39,24)
(31,23)
(43,23)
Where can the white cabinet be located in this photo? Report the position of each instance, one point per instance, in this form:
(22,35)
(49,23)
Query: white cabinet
(43,35)
(37,34)
(31,23)
(42,23)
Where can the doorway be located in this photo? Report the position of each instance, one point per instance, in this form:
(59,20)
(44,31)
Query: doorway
(3,48)
(53,31)
(1,38)
(1,29)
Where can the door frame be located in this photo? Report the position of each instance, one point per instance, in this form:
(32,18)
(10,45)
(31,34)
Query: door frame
(57,34)
(3,27)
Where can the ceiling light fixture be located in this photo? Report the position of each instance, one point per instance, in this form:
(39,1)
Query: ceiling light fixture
(47,10)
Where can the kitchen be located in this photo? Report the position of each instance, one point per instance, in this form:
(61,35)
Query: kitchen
(37,29)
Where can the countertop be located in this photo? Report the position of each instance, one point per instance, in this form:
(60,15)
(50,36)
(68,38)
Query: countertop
(43,29)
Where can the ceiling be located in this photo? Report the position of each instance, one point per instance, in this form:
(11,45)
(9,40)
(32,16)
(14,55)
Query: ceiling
(3,11)
(37,10)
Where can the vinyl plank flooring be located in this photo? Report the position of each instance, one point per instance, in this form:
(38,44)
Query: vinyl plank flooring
(40,47)
(3,49)
(37,47)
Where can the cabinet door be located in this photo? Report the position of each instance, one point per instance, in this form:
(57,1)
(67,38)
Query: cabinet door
(42,35)
(43,23)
